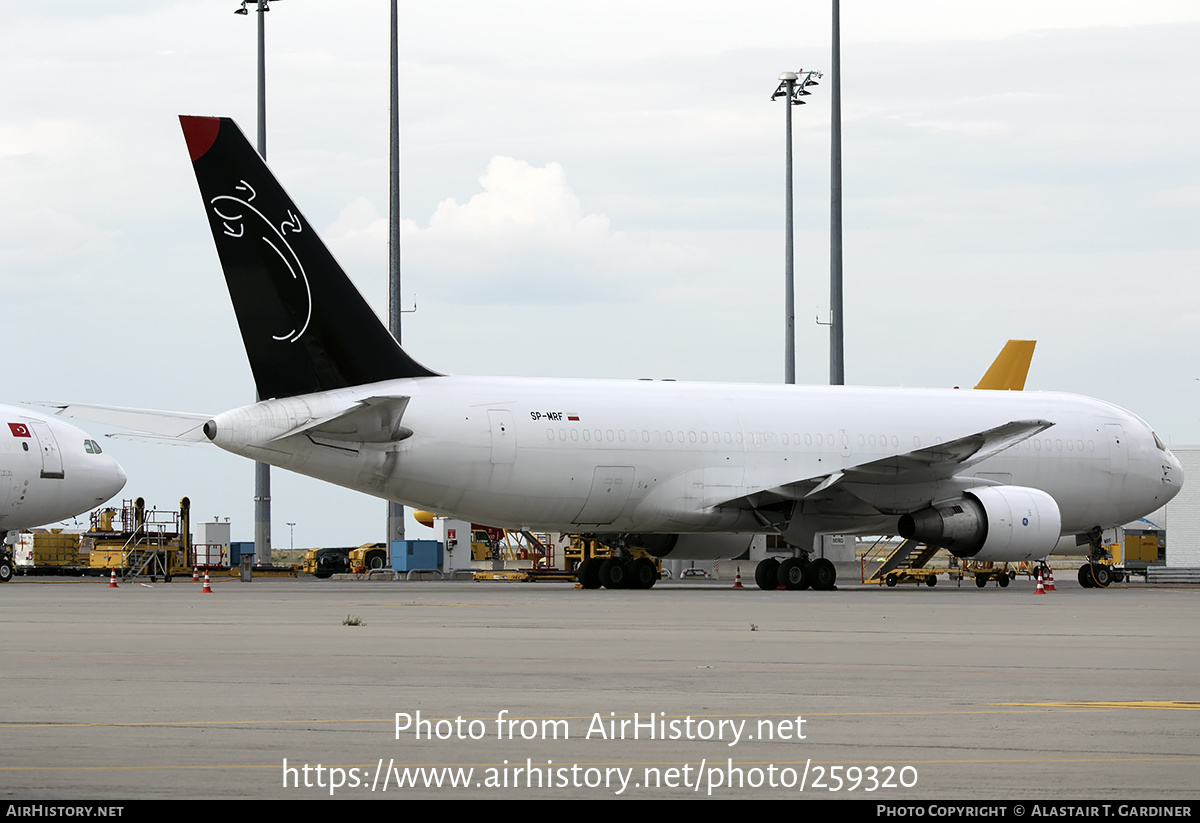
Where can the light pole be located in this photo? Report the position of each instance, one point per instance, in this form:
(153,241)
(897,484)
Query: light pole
(262,471)
(793,87)
(291,540)
(395,511)
(837,352)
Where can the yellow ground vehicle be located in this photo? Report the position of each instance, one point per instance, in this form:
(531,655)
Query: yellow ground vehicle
(369,557)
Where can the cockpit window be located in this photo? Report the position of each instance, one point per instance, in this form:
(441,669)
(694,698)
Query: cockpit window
(91,447)
(1159,443)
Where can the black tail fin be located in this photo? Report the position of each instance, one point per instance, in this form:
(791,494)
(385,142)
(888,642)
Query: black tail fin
(305,327)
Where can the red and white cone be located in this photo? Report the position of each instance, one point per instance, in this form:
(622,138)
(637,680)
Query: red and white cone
(195,574)
(208,589)
(737,579)
(1040,588)
(1050,580)
(112,579)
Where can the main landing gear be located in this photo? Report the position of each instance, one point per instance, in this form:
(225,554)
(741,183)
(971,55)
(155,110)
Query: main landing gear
(617,573)
(795,573)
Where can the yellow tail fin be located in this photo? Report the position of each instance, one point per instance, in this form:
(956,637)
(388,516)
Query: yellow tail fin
(1011,366)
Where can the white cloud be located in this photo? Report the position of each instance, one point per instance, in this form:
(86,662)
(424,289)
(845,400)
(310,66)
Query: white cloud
(524,239)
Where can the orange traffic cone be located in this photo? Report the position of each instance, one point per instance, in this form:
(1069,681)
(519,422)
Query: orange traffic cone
(195,574)
(1050,580)
(208,589)
(737,579)
(1040,588)
(112,580)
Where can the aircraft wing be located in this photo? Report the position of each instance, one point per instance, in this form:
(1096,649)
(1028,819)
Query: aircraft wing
(918,468)
(181,428)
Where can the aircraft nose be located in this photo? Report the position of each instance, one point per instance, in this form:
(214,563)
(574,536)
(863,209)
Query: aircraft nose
(113,480)
(1172,473)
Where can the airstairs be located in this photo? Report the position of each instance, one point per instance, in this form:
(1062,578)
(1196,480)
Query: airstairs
(902,563)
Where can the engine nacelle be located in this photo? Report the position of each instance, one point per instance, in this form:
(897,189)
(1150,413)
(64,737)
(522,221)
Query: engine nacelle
(692,546)
(1002,523)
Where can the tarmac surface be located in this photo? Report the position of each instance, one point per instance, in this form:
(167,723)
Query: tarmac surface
(913,693)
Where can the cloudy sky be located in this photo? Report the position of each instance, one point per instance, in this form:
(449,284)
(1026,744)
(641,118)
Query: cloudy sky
(597,191)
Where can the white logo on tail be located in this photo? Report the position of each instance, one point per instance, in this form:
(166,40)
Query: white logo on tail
(269,234)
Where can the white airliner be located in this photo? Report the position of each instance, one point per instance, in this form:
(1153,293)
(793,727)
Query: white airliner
(689,470)
(49,471)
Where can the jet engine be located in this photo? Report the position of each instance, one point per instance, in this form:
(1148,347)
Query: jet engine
(692,546)
(1002,523)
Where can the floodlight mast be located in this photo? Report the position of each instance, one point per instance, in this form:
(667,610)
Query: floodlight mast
(793,87)
(262,471)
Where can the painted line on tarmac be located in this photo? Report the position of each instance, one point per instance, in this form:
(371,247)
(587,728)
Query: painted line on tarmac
(1168,705)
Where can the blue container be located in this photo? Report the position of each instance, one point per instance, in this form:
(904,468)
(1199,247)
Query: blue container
(408,555)
(235,551)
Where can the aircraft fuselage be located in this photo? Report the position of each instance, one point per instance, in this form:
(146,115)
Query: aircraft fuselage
(50,470)
(668,457)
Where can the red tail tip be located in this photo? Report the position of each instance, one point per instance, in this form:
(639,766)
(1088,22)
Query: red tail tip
(200,133)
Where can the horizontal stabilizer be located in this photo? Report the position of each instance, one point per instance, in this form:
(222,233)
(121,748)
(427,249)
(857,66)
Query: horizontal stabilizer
(374,420)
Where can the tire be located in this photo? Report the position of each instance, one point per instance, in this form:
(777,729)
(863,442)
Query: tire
(642,574)
(1085,577)
(1003,580)
(792,574)
(981,580)
(376,559)
(588,573)
(891,581)
(822,575)
(322,575)
(1101,575)
(6,571)
(931,581)
(766,574)
(614,574)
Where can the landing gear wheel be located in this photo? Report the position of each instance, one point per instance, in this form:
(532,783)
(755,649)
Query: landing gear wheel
(981,580)
(6,571)
(1085,577)
(891,581)
(931,581)
(766,574)
(614,574)
(822,574)
(1101,575)
(642,574)
(587,573)
(792,574)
